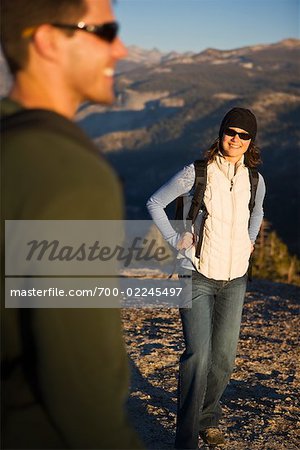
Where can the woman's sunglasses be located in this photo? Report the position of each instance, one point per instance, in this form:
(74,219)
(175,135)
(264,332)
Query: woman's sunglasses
(107,31)
(232,133)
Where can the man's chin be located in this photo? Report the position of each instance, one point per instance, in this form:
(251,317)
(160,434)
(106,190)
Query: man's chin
(107,99)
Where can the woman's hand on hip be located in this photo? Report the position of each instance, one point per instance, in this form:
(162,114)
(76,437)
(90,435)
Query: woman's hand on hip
(186,241)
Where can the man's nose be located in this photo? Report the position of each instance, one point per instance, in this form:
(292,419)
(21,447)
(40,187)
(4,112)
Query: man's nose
(119,50)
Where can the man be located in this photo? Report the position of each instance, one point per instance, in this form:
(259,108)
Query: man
(64,371)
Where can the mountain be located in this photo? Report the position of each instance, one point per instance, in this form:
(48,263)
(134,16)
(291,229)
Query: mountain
(168,113)
(140,57)
(169,108)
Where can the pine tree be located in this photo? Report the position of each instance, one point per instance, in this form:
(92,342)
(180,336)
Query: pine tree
(272,259)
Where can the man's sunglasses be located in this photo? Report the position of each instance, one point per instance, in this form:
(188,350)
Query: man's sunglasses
(232,133)
(107,31)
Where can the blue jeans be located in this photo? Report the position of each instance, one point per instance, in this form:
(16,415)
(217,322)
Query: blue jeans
(211,331)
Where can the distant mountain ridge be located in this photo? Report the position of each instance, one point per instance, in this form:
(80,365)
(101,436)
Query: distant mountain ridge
(138,56)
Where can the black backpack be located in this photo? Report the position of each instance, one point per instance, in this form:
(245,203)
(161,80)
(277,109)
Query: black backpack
(197,200)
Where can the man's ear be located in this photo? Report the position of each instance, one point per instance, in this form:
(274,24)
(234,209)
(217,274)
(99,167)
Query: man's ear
(46,41)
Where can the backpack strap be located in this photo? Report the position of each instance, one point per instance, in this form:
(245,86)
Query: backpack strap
(199,185)
(197,201)
(253,176)
(179,209)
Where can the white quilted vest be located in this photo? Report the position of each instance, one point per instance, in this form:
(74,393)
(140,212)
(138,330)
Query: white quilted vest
(226,245)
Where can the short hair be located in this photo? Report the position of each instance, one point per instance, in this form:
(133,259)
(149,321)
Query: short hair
(16,15)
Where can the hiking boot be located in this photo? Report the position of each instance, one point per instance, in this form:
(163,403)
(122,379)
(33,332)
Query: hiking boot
(212,436)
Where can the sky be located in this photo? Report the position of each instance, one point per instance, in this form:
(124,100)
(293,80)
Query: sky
(194,25)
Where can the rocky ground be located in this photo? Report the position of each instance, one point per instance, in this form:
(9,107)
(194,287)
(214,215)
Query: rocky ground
(261,403)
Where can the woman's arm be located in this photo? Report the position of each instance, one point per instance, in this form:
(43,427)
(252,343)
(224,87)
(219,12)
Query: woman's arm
(258,212)
(180,184)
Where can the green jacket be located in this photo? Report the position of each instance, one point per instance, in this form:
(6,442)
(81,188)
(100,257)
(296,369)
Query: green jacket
(65,371)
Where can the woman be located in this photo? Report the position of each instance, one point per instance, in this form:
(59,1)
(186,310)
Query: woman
(211,326)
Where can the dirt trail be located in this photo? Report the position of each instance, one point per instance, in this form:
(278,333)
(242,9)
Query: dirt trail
(261,403)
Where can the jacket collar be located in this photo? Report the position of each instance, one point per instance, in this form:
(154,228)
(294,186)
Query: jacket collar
(229,169)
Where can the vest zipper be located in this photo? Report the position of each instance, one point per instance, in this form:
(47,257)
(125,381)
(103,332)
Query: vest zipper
(233,215)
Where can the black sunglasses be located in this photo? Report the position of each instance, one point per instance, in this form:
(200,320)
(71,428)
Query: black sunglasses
(232,133)
(107,31)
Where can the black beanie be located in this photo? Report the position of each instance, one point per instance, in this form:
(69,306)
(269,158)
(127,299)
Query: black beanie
(239,118)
